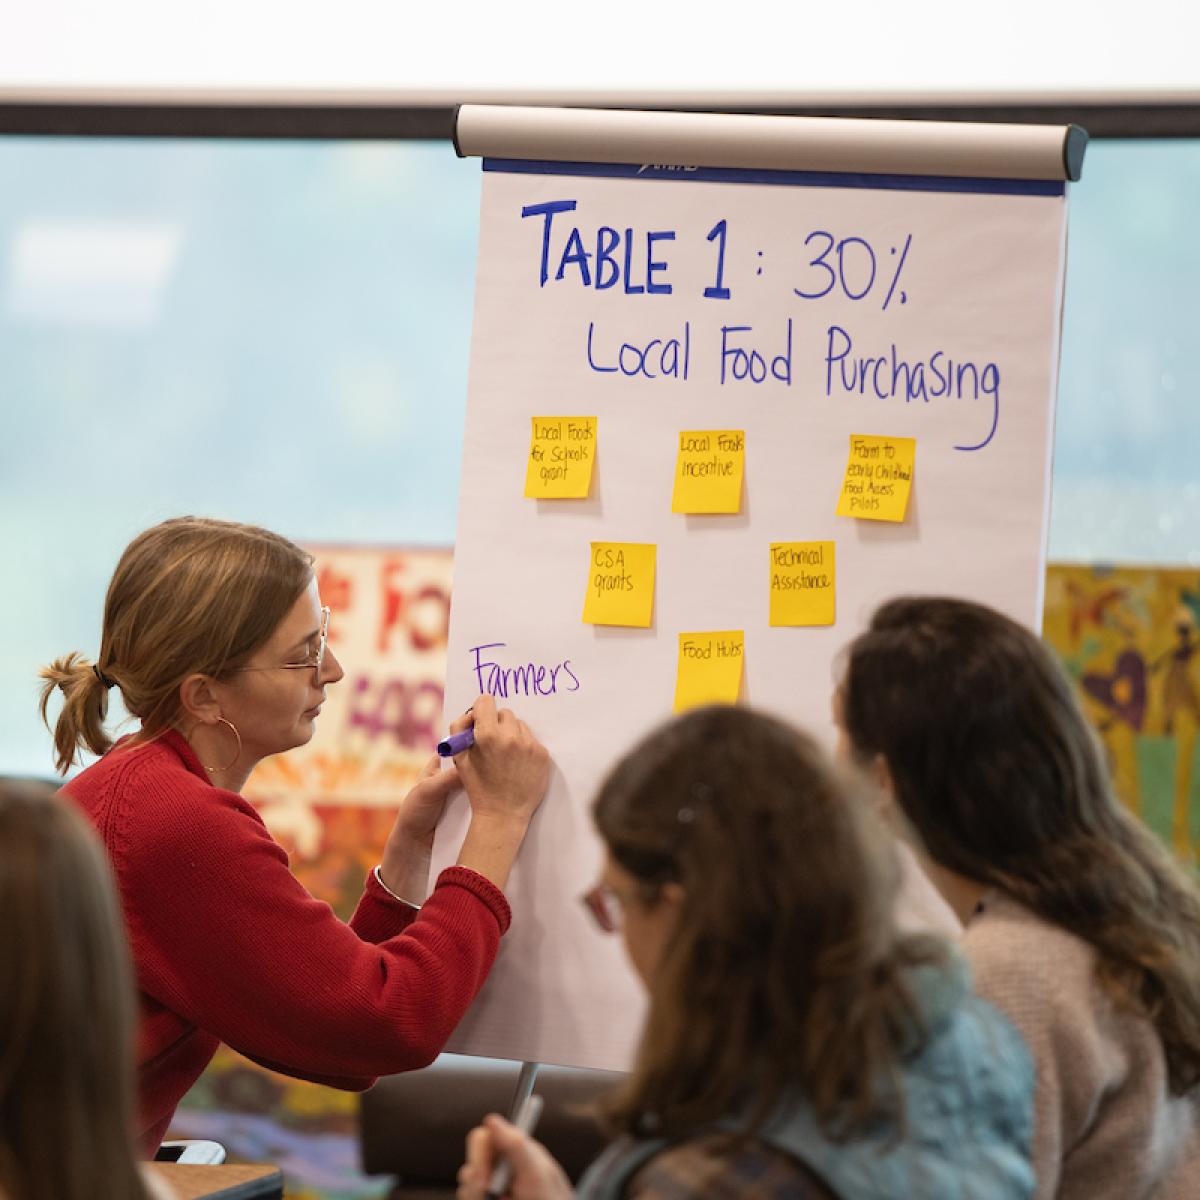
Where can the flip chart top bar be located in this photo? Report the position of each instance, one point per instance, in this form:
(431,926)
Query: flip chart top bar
(845,145)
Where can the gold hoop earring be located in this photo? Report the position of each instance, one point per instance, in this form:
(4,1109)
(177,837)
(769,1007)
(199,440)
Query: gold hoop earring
(236,754)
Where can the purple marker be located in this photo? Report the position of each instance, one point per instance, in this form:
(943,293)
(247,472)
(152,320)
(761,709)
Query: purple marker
(456,743)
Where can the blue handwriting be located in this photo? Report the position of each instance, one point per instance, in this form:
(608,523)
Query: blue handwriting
(600,267)
(893,375)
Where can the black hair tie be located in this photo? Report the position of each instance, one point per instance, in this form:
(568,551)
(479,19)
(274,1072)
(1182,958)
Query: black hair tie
(104,679)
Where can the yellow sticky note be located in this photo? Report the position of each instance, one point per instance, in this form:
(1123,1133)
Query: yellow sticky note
(803,587)
(620,588)
(878,477)
(562,451)
(710,669)
(708,471)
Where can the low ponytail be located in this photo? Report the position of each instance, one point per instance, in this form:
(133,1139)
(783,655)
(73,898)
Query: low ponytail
(85,707)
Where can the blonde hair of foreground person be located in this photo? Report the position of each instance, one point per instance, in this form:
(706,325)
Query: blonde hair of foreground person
(66,1011)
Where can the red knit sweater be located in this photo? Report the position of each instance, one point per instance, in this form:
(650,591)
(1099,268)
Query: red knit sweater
(229,947)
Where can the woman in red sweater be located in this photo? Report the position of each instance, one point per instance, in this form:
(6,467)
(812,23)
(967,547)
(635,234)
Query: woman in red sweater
(216,636)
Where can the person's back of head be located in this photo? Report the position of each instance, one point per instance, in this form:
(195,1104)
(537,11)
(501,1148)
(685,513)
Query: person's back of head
(66,1009)
(189,595)
(784,969)
(997,772)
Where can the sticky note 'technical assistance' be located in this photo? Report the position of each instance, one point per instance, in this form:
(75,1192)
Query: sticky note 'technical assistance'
(710,668)
(803,583)
(562,452)
(620,587)
(878,477)
(708,471)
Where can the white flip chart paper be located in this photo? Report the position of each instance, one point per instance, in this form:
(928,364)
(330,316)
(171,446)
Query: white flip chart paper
(801,310)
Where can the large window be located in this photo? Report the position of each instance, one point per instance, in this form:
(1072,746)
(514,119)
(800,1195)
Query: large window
(278,332)
(1126,488)
(268,332)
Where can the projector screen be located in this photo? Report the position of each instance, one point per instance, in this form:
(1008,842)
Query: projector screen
(922,47)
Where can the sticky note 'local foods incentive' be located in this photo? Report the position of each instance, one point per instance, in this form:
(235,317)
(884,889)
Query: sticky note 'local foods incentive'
(562,452)
(708,471)
(803,583)
(710,669)
(878,477)
(620,587)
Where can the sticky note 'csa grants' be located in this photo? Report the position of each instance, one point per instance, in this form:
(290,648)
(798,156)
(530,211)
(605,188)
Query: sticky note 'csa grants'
(620,589)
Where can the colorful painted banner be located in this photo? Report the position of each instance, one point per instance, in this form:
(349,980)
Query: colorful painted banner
(1131,637)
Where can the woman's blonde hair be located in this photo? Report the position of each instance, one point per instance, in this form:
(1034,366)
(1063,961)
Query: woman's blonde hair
(191,595)
(66,1009)
(785,969)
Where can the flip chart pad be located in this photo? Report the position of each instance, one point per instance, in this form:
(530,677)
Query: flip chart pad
(796,303)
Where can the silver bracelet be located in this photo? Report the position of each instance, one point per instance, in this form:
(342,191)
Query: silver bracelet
(379,880)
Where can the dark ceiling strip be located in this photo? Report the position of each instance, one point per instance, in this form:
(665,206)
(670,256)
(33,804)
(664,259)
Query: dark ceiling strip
(436,123)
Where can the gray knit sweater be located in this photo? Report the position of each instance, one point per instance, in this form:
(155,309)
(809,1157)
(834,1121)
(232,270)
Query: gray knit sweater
(1106,1127)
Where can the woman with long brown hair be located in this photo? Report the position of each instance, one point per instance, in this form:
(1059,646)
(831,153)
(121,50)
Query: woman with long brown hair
(1079,925)
(66,1011)
(796,1044)
(217,639)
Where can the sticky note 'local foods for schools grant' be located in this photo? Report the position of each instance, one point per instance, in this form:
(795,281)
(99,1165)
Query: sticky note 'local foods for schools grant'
(562,452)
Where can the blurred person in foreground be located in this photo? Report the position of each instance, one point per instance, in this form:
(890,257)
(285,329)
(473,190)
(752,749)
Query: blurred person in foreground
(797,1044)
(66,1012)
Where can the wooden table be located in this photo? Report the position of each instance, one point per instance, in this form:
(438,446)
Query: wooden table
(230,1181)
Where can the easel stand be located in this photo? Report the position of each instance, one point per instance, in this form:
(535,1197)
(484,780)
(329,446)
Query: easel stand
(525,1081)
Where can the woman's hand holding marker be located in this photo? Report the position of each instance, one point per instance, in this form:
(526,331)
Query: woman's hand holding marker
(506,768)
(504,772)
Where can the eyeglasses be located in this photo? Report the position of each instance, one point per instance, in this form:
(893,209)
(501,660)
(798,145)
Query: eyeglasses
(604,907)
(312,662)
(607,909)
